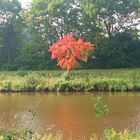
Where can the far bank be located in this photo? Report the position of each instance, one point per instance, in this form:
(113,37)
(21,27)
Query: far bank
(78,80)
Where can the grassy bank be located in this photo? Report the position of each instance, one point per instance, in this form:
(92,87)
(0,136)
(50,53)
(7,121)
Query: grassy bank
(109,134)
(78,80)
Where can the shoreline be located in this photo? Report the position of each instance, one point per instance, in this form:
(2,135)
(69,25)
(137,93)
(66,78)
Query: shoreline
(121,80)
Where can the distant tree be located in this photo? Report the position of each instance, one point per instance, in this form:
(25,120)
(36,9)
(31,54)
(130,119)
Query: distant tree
(120,51)
(113,16)
(26,34)
(10,30)
(50,20)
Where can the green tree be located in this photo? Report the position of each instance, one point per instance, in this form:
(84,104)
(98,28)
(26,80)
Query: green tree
(50,20)
(10,30)
(113,16)
(53,19)
(120,51)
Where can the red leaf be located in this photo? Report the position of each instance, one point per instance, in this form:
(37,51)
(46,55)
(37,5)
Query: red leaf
(67,50)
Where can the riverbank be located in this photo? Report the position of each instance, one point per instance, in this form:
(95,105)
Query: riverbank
(78,80)
(109,134)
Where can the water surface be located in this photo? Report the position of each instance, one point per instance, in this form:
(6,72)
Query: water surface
(73,115)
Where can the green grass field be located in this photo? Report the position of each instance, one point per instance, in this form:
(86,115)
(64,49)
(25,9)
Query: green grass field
(78,80)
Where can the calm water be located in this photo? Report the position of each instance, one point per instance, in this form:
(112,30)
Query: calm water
(73,115)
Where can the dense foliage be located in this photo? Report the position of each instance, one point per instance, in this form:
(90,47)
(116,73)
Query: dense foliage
(68,51)
(27,33)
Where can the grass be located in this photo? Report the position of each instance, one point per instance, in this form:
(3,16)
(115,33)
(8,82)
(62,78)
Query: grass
(109,134)
(78,80)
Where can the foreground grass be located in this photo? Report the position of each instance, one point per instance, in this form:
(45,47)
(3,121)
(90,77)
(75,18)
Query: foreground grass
(78,80)
(109,134)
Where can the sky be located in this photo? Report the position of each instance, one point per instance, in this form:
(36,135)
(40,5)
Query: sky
(25,3)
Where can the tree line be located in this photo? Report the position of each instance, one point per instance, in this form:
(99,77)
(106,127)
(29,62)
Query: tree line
(27,33)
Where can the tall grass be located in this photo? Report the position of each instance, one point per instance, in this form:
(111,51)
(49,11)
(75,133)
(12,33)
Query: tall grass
(78,80)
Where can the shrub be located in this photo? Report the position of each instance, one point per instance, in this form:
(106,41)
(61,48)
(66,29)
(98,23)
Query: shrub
(30,82)
(22,73)
(6,85)
(117,85)
(66,76)
(62,85)
(102,85)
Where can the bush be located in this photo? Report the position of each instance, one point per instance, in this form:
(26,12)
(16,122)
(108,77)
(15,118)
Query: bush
(6,85)
(118,85)
(30,82)
(22,72)
(102,85)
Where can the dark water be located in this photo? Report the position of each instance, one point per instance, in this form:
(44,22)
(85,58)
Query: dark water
(73,115)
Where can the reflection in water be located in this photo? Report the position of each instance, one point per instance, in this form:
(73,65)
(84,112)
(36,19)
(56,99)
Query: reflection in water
(73,115)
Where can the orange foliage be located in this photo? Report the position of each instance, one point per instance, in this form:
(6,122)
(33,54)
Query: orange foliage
(68,51)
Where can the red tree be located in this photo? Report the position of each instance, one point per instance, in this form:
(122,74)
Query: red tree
(68,51)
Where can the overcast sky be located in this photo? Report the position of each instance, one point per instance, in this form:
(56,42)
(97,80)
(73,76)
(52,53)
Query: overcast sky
(25,3)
